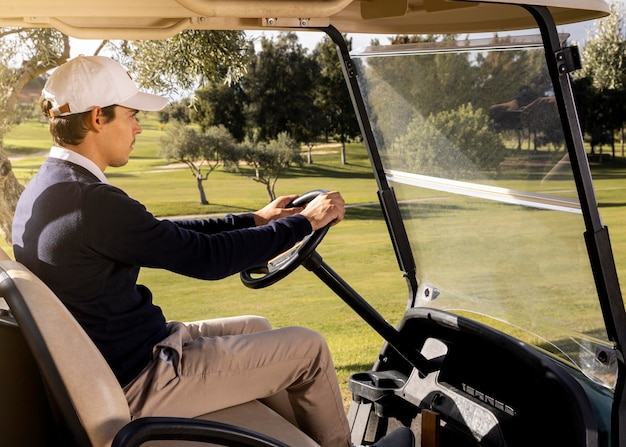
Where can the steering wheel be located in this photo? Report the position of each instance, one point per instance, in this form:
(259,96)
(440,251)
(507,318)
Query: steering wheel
(282,265)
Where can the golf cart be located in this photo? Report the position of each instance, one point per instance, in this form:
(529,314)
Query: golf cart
(513,333)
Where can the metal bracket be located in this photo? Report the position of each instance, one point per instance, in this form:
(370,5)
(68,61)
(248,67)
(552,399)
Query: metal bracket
(294,22)
(568,60)
(350,68)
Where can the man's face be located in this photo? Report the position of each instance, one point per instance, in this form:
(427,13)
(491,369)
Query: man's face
(120,136)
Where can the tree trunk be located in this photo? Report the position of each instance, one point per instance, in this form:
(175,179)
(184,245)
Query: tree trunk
(612,146)
(203,199)
(10,192)
(270,191)
(10,188)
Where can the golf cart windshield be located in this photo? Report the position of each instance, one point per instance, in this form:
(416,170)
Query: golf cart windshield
(471,142)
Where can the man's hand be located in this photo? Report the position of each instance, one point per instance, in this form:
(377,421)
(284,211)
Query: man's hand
(327,208)
(275,210)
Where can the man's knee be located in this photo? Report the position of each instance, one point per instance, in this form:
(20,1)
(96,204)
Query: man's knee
(255,323)
(314,340)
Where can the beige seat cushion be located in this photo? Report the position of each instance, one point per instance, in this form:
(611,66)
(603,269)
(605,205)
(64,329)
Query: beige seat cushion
(258,417)
(255,416)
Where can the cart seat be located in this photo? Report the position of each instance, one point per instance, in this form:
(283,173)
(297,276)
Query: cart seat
(88,397)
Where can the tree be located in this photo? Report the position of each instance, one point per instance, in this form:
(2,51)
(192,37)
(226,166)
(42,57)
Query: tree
(445,84)
(444,81)
(220,104)
(178,111)
(202,153)
(604,54)
(604,64)
(332,96)
(279,87)
(269,160)
(510,75)
(187,61)
(457,144)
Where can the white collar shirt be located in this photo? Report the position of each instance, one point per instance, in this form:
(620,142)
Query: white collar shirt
(74,157)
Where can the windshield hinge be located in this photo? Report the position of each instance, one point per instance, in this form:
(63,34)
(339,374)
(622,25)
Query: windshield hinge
(568,60)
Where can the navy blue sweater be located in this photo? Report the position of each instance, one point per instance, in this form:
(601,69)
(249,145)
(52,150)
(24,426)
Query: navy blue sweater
(87,241)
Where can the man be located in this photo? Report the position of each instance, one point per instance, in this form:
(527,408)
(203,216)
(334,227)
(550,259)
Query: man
(87,240)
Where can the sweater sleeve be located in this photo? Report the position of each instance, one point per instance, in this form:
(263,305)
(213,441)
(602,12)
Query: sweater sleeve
(122,229)
(212,226)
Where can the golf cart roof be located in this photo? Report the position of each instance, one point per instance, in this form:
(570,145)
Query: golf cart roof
(154,19)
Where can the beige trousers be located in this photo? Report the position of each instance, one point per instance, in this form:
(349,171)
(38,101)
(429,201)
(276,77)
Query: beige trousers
(214,364)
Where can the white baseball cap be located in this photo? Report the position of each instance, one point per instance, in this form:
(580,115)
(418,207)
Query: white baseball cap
(87,82)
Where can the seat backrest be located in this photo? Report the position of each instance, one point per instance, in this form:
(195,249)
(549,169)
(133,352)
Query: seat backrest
(81,382)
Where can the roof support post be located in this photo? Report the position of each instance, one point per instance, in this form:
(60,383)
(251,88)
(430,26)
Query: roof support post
(596,235)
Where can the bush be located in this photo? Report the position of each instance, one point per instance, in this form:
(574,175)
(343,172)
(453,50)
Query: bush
(457,143)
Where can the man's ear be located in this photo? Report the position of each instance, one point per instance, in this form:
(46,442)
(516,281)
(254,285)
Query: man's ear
(95,119)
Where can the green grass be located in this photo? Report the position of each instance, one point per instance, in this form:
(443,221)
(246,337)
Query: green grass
(358,249)
(29,138)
